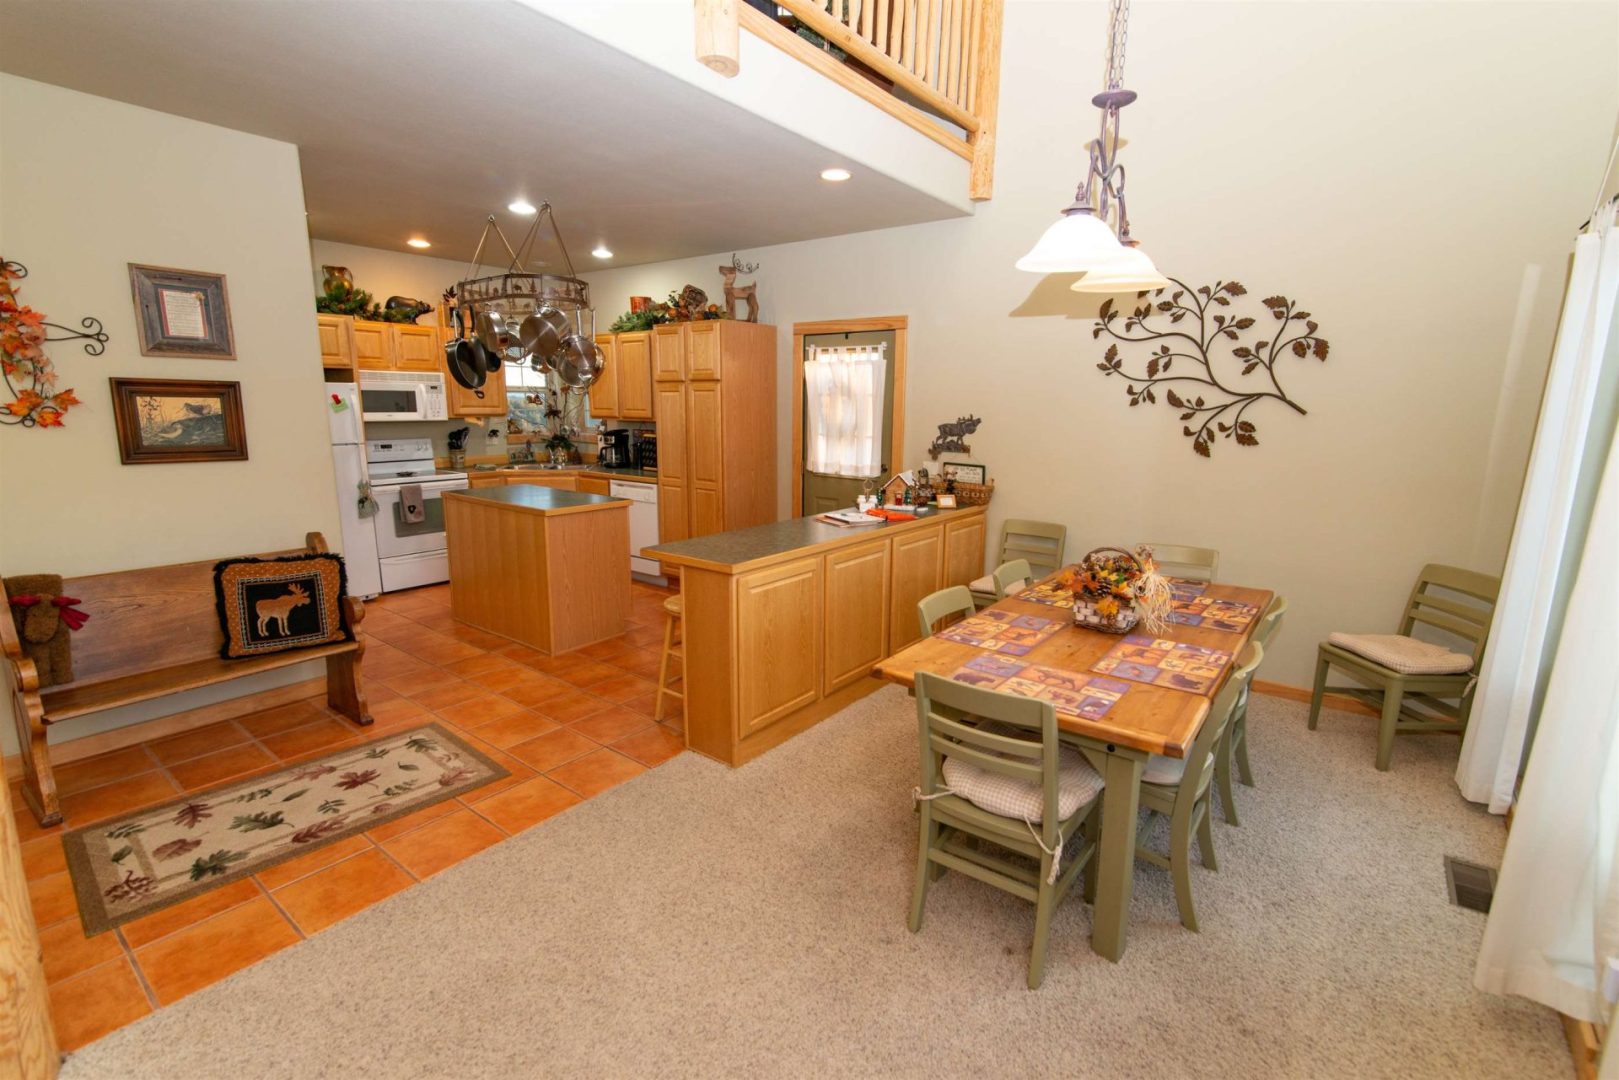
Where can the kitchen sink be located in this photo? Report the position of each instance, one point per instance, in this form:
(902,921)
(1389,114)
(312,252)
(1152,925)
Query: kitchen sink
(547,467)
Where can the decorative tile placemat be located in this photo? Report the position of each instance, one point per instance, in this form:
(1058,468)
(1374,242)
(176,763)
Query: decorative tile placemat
(1186,588)
(1159,662)
(1002,632)
(138,863)
(1232,616)
(1050,593)
(1069,692)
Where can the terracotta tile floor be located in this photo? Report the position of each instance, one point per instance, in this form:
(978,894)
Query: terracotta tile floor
(568,728)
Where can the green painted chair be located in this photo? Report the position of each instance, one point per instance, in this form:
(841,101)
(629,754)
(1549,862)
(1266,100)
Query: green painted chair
(1008,788)
(955,600)
(1178,789)
(1040,543)
(1405,682)
(1192,563)
(1234,747)
(1011,577)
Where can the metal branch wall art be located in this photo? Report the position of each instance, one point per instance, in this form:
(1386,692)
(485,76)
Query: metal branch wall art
(26,373)
(1209,381)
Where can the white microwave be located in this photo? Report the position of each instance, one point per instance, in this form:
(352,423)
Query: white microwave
(402,395)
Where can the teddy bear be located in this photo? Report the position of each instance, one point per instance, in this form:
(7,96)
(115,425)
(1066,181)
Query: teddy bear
(44,619)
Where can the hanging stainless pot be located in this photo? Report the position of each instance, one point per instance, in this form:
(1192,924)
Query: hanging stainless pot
(461,357)
(542,334)
(491,330)
(579,362)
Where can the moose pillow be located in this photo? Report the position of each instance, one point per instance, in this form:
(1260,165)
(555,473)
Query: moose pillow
(272,605)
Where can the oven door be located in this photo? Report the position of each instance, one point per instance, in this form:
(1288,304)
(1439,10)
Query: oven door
(398,401)
(396,536)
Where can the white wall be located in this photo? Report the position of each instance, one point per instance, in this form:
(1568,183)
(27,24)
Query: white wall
(87,186)
(1381,163)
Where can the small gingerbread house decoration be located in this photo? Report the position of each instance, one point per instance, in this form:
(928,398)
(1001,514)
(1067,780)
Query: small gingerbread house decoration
(894,491)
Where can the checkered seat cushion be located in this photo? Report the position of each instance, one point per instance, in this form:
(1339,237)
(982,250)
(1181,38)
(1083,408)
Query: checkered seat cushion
(1077,785)
(986,586)
(1166,771)
(1404,654)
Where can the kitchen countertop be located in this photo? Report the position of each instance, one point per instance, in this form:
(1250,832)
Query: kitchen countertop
(634,475)
(539,500)
(744,548)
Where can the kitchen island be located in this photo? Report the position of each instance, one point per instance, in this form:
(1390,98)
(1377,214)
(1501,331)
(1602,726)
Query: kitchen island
(784,622)
(541,566)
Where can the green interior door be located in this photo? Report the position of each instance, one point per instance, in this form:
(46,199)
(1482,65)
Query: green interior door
(822,492)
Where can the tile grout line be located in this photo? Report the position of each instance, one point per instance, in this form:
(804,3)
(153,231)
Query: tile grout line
(270,896)
(140,975)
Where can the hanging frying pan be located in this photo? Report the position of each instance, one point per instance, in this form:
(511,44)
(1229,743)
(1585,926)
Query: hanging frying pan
(461,358)
(579,362)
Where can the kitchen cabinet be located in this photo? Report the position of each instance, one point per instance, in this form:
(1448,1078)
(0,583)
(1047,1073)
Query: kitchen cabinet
(624,390)
(488,400)
(773,635)
(918,564)
(336,340)
(382,346)
(714,403)
(485,480)
(561,483)
(963,551)
(592,485)
(856,621)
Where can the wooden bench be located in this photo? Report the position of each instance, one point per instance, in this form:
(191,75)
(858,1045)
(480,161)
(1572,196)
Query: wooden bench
(152,633)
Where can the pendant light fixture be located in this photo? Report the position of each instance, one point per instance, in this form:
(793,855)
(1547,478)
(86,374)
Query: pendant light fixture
(1093,234)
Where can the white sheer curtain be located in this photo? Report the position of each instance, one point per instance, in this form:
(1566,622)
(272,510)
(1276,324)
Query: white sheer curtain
(844,392)
(1493,746)
(1554,923)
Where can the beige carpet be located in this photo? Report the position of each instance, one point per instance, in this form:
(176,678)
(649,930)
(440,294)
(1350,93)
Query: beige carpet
(700,921)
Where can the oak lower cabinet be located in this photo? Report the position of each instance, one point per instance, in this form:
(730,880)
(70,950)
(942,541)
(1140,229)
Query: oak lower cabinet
(790,634)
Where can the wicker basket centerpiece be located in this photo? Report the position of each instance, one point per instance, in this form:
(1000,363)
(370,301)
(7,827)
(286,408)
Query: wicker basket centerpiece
(1114,589)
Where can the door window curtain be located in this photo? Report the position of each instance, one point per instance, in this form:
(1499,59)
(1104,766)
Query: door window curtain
(1554,922)
(844,391)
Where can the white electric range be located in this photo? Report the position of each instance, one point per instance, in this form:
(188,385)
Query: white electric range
(411,547)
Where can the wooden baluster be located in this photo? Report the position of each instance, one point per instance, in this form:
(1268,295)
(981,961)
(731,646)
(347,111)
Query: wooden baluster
(716,29)
(865,22)
(908,10)
(975,17)
(958,12)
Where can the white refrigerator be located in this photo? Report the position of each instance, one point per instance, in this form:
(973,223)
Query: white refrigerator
(348,461)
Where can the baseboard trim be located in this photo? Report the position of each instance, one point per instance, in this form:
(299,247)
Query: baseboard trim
(1584,1044)
(1299,693)
(174,724)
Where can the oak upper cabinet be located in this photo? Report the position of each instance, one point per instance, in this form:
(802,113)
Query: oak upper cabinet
(778,648)
(856,621)
(634,355)
(963,551)
(714,403)
(336,340)
(604,391)
(380,346)
(918,564)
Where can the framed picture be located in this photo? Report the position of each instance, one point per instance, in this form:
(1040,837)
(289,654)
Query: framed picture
(162,421)
(962,472)
(182,313)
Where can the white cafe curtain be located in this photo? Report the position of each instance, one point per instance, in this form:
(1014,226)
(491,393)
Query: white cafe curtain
(1554,922)
(1492,749)
(844,392)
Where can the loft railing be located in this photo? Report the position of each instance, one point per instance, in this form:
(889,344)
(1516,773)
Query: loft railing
(922,61)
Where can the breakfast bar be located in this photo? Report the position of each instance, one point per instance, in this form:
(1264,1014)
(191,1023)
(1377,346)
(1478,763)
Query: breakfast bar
(784,622)
(539,565)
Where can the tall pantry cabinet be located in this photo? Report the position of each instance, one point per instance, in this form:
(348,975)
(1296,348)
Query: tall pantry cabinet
(714,402)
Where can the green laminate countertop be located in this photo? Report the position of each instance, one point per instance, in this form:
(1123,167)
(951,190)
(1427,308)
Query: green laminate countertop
(744,549)
(536,499)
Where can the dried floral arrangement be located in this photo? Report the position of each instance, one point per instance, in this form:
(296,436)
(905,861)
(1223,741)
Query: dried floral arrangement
(688,305)
(29,376)
(1115,588)
(1216,390)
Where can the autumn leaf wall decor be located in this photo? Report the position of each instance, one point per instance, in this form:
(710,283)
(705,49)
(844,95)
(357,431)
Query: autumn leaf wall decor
(1197,353)
(29,376)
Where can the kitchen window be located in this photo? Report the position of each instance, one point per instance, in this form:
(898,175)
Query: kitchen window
(843,388)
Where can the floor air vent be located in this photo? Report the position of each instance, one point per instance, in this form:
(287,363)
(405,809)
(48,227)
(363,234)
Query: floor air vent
(1471,886)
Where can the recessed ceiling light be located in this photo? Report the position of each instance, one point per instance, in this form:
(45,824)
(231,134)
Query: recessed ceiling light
(601,252)
(521,206)
(418,242)
(837,176)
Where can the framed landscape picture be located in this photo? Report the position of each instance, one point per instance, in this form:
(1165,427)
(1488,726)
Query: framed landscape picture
(182,313)
(162,421)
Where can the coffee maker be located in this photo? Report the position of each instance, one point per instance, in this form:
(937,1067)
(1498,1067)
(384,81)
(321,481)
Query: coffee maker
(615,448)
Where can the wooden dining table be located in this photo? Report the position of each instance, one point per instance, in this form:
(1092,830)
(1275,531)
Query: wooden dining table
(1148,719)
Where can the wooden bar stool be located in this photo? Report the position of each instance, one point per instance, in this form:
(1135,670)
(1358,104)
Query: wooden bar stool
(673,647)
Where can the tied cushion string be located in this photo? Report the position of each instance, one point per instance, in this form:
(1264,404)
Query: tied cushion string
(1055,853)
(70,613)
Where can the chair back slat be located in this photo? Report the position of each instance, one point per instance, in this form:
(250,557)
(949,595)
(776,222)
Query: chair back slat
(942,736)
(1184,561)
(1013,767)
(1271,620)
(1010,573)
(1468,621)
(1042,543)
(956,600)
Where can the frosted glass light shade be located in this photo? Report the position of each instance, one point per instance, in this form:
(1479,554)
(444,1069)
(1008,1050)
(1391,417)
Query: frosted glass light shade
(1131,274)
(1077,241)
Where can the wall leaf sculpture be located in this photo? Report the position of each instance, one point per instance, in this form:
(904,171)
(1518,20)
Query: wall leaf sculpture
(1201,353)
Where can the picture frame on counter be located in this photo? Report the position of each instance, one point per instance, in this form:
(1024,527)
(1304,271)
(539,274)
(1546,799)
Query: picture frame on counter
(965,473)
(182,313)
(169,421)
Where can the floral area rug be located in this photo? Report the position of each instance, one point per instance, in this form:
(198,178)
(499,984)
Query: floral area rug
(130,866)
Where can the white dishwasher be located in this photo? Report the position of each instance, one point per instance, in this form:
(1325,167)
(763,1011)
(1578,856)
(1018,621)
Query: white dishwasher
(643,522)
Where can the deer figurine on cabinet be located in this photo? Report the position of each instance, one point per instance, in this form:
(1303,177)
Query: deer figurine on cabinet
(735,292)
